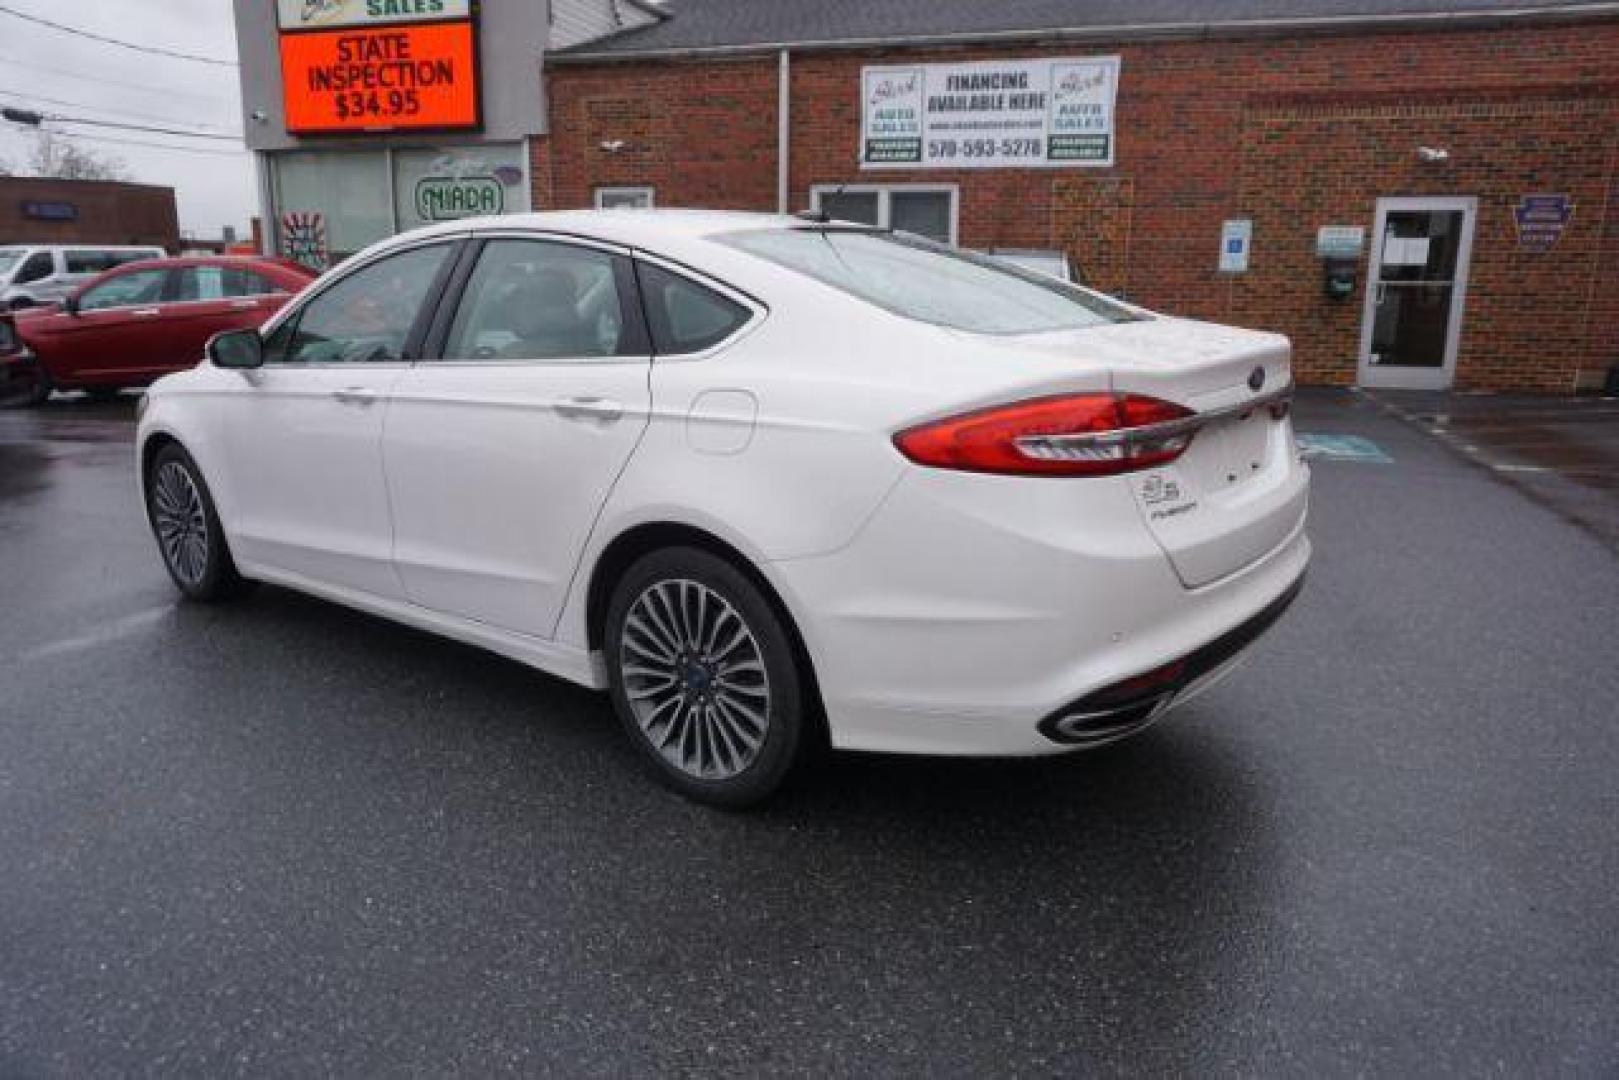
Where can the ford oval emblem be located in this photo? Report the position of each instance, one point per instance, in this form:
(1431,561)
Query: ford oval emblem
(1256,379)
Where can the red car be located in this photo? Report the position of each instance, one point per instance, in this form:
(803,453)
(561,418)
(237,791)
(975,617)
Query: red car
(143,320)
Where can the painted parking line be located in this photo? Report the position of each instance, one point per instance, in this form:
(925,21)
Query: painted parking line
(1319,446)
(105,634)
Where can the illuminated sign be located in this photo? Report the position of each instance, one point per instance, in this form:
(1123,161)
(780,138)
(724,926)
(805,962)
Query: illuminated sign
(392,78)
(326,14)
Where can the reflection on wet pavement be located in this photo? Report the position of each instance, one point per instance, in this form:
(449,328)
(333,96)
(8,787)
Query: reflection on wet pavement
(1561,452)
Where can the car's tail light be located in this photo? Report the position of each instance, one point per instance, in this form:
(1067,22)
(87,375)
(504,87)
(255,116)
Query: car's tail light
(1073,435)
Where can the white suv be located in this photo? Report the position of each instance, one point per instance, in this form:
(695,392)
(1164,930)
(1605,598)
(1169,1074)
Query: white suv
(44,274)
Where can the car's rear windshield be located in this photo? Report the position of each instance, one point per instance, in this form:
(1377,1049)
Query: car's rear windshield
(920,279)
(10,257)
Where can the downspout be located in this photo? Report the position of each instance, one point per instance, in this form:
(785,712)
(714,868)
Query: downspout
(783,139)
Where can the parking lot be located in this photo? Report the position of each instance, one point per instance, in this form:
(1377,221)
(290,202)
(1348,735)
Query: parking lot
(284,837)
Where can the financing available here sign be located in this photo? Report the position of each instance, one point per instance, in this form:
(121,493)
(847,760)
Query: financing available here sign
(991,114)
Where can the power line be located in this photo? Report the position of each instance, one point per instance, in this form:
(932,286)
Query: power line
(34,118)
(32,96)
(103,39)
(140,127)
(143,88)
(73,136)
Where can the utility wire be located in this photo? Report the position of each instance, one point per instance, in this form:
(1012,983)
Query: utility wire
(73,136)
(31,96)
(144,88)
(103,39)
(49,119)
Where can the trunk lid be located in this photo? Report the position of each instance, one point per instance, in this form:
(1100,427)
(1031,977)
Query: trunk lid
(1239,490)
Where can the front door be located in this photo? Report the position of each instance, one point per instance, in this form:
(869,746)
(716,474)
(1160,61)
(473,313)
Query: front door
(114,336)
(1415,288)
(302,435)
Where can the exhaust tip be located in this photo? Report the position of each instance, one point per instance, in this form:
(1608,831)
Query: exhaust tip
(1095,728)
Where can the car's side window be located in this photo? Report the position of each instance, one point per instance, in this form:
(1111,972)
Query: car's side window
(686,317)
(368,315)
(239,282)
(39,266)
(200,283)
(539,300)
(125,290)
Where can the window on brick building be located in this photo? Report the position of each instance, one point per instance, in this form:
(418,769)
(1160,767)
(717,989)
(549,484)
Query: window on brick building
(924,209)
(611,198)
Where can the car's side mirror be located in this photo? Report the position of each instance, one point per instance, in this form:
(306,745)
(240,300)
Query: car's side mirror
(237,349)
(70,304)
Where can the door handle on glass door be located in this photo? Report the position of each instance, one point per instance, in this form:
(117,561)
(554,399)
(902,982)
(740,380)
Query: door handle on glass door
(590,408)
(355,395)
(1382,292)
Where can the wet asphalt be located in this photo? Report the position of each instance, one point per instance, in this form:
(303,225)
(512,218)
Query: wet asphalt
(281,837)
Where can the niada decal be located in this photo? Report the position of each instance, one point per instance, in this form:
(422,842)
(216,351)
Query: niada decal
(445,198)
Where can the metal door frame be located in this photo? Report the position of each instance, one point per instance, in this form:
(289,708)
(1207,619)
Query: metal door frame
(1412,378)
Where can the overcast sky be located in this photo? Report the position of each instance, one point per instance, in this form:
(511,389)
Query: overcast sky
(54,72)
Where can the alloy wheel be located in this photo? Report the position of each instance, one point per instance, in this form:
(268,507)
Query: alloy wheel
(695,679)
(182,522)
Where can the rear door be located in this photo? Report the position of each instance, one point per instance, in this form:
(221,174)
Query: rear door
(500,454)
(195,309)
(209,298)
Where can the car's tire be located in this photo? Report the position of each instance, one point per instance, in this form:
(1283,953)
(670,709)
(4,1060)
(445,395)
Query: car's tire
(705,678)
(41,392)
(185,525)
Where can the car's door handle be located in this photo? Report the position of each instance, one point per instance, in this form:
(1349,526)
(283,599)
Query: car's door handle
(355,395)
(244,305)
(590,408)
(146,312)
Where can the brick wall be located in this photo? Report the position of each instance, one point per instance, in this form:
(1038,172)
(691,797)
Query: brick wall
(1292,133)
(105,213)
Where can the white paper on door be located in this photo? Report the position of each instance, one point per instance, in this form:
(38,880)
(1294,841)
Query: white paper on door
(1405,250)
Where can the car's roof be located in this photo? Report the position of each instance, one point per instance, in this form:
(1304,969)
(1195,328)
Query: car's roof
(630,227)
(179,261)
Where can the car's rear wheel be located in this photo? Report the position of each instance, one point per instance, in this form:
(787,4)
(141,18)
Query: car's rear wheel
(704,677)
(186,527)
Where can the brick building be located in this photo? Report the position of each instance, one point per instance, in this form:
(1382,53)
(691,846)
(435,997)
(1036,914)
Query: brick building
(42,210)
(1289,124)
(1418,192)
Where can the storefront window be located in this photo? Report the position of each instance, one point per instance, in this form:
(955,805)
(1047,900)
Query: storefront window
(455,182)
(331,203)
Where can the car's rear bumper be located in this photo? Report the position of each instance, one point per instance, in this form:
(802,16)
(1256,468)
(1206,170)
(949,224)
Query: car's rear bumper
(970,612)
(21,377)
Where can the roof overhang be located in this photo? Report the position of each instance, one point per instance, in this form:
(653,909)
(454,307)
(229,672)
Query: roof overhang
(1456,19)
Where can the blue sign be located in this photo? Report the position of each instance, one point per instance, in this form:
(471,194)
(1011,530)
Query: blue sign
(1315,445)
(50,211)
(1541,220)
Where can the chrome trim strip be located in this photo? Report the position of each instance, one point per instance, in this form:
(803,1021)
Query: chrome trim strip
(1148,433)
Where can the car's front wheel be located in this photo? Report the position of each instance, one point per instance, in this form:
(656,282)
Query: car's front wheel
(704,677)
(186,526)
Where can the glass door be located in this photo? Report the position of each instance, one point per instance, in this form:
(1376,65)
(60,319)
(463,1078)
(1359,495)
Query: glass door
(1415,288)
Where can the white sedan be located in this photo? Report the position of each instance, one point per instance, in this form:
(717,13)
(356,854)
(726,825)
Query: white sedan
(772,482)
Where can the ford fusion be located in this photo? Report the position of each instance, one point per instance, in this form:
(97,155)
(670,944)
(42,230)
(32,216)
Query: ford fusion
(771,482)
